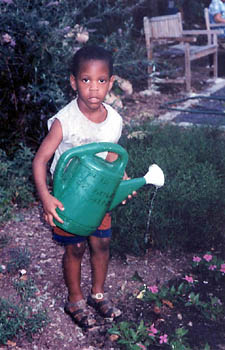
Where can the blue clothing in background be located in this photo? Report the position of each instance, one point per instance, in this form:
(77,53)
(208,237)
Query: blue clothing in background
(217,6)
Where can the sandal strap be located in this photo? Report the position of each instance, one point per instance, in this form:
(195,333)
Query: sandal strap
(80,303)
(106,312)
(81,315)
(97,296)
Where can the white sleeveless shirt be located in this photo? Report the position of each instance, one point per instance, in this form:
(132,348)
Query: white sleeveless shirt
(79,130)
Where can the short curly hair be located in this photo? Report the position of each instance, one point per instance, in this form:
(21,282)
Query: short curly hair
(87,53)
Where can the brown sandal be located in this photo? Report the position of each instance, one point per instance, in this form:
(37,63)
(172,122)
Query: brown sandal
(104,307)
(81,315)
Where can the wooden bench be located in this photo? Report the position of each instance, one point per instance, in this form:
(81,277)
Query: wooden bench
(170,29)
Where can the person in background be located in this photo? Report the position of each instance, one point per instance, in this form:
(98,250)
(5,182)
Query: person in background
(172,8)
(217,14)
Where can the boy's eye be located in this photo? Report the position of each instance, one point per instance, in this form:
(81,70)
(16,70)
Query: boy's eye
(102,81)
(85,80)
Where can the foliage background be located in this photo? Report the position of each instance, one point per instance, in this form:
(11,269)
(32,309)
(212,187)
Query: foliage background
(37,39)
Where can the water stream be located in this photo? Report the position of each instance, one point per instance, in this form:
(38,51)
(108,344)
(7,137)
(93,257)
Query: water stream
(147,233)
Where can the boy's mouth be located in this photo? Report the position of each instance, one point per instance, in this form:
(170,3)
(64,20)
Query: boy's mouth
(93,99)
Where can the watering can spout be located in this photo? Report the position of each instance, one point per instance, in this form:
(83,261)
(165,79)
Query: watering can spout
(154,177)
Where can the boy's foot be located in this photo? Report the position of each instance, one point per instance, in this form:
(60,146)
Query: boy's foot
(80,314)
(103,306)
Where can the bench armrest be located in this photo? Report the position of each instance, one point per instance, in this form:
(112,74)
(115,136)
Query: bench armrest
(202,32)
(179,39)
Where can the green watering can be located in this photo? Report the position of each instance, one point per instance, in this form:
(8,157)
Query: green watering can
(89,186)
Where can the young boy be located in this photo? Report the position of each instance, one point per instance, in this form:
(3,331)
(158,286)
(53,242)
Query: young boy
(84,120)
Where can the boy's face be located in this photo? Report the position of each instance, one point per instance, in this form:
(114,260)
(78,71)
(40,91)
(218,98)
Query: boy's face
(92,84)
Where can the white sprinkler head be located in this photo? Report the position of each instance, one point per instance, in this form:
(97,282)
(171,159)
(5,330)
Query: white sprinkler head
(155,176)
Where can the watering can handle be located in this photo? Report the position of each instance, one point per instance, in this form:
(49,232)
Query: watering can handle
(88,150)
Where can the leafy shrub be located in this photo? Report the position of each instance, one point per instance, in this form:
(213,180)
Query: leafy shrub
(16,187)
(4,240)
(17,320)
(188,211)
(26,289)
(20,259)
(37,39)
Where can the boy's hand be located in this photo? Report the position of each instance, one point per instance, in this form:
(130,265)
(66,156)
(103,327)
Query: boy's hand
(49,205)
(134,193)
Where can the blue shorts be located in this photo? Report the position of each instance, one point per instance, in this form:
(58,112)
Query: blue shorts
(74,239)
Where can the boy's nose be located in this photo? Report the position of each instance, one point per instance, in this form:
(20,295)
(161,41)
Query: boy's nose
(94,85)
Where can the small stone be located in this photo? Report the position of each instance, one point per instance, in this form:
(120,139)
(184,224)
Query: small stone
(156,310)
(113,337)
(22,272)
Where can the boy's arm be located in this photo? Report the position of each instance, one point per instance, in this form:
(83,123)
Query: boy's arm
(43,155)
(218,18)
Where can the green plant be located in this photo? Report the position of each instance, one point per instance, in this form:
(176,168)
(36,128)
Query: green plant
(18,320)
(164,294)
(185,212)
(136,337)
(25,289)
(19,259)
(131,335)
(16,186)
(211,309)
(209,265)
(37,40)
(195,294)
(184,293)
(4,240)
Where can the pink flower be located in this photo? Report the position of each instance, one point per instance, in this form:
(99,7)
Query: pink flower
(8,40)
(152,330)
(189,279)
(163,339)
(141,346)
(207,257)
(7,1)
(196,259)
(222,268)
(212,267)
(153,289)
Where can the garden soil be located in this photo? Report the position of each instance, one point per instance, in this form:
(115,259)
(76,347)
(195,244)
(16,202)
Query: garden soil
(125,276)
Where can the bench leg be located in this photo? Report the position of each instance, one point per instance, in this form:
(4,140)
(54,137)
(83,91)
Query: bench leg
(187,67)
(215,62)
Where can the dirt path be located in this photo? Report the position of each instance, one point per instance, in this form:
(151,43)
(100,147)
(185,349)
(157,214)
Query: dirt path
(28,230)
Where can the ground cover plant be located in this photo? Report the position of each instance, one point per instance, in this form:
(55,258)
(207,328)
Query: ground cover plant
(179,314)
(18,316)
(16,185)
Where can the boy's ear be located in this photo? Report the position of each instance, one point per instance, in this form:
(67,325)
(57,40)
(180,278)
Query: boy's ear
(73,82)
(111,81)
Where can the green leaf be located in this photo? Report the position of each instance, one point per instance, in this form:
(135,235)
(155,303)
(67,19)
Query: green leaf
(137,277)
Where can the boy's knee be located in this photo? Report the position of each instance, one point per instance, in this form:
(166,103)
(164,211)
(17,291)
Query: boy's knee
(76,250)
(100,245)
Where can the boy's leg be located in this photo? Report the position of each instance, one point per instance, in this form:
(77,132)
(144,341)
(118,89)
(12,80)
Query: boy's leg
(72,270)
(74,250)
(99,251)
